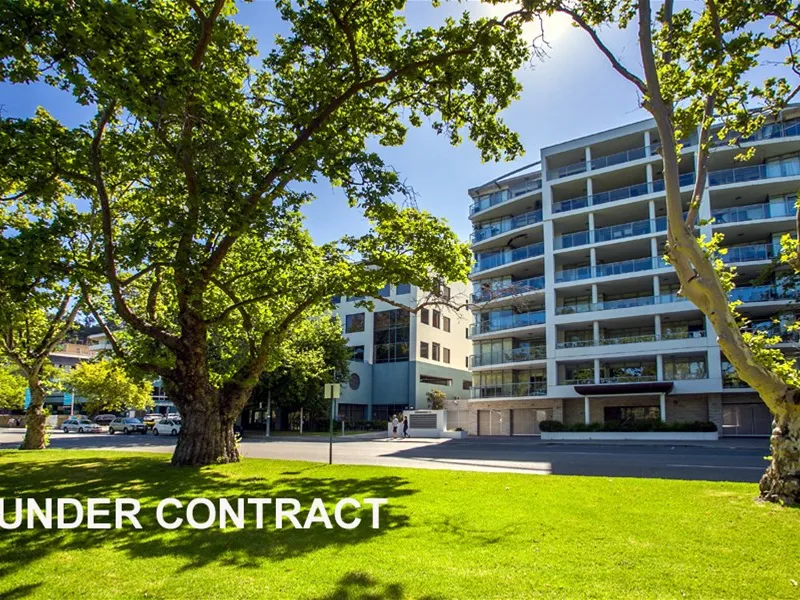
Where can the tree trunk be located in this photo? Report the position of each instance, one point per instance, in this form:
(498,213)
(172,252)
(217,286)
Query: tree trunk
(35,431)
(781,482)
(206,436)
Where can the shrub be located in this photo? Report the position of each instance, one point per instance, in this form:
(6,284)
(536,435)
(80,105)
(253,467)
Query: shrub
(632,426)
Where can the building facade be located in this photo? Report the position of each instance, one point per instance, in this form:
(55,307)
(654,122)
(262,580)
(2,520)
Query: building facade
(399,355)
(576,315)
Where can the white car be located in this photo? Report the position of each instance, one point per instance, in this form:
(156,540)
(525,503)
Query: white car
(167,427)
(81,426)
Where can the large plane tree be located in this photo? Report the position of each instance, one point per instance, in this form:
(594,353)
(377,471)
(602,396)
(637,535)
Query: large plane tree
(695,73)
(195,163)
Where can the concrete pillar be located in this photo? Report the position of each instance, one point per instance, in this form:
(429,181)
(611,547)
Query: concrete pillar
(586,410)
(587,156)
(657,326)
(647,143)
(595,296)
(659,367)
(596,331)
(653,247)
(662,401)
(589,189)
(651,210)
(650,178)
(558,410)
(656,286)
(597,370)
(592,257)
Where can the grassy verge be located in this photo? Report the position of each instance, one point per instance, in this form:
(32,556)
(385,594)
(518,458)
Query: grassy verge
(445,534)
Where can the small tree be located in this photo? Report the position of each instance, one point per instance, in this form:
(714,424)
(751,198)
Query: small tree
(436,399)
(107,387)
(12,387)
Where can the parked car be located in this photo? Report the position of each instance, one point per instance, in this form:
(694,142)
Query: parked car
(81,426)
(104,419)
(167,427)
(127,425)
(152,419)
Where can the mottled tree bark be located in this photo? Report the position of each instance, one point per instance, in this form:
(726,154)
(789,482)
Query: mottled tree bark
(781,482)
(35,431)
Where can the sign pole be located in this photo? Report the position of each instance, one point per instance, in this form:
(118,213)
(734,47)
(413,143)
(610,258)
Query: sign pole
(332,391)
(269,409)
(330,438)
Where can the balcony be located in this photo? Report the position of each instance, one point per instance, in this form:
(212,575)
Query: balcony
(628,379)
(607,234)
(762,293)
(508,322)
(509,356)
(754,173)
(514,288)
(772,131)
(631,191)
(754,212)
(633,339)
(616,268)
(489,200)
(510,390)
(602,162)
(529,218)
(506,257)
(754,253)
(623,303)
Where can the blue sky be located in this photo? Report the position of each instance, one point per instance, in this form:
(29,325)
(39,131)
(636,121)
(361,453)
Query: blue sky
(571,93)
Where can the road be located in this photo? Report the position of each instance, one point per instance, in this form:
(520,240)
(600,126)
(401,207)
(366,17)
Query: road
(725,460)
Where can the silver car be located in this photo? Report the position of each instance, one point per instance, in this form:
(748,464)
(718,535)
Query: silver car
(80,426)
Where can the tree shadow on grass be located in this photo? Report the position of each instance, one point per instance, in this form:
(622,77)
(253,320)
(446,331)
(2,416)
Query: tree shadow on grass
(361,586)
(152,479)
(21,591)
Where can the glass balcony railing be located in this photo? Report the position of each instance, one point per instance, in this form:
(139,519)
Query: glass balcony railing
(577,381)
(756,252)
(510,390)
(508,356)
(754,212)
(632,339)
(621,303)
(762,293)
(602,162)
(505,257)
(616,268)
(632,191)
(772,131)
(484,233)
(514,288)
(614,232)
(628,378)
(489,200)
(508,322)
(754,173)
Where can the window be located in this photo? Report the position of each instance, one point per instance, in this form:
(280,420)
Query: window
(630,413)
(466,362)
(437,319)
(357,353)
(355,381)
(391,336)
(384,291)
(446,355)
(403,288)
(435,380)
(436,348)
(466,384)
(423,349)
(445,292)
(354,323)
(336,299)
(425,315)
(446,323)
(466,332)
(355,298)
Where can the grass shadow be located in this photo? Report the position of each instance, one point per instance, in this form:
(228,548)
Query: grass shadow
(151,479)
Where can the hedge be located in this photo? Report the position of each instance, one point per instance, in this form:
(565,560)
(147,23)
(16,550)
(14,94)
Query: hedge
(637,425)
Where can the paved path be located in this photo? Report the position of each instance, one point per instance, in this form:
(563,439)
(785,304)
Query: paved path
(725,460)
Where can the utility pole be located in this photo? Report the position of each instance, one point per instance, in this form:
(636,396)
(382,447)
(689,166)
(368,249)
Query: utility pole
(269,409)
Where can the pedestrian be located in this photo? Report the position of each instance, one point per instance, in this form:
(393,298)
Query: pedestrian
(395,423)
(405,427)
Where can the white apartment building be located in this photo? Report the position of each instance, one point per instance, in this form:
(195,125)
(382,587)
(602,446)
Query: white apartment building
(399,355)
(576,316)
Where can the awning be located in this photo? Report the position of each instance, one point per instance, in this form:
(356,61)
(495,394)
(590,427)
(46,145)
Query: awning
(617,389)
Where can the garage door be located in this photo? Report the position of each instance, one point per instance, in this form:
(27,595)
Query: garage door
(526,421)
(746,419)
(523,421)
(488,422)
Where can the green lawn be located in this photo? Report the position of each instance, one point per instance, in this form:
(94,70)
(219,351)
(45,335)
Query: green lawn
(446,534)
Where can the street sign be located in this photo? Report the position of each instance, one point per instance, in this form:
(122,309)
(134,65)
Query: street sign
(332,390)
